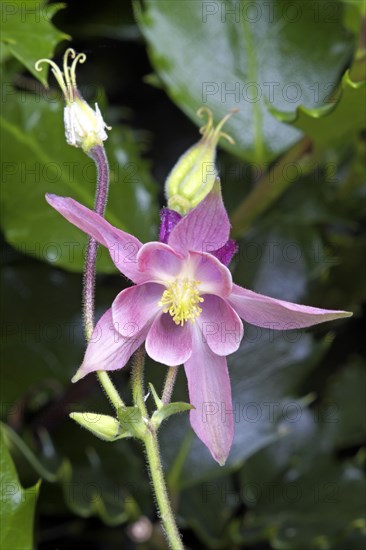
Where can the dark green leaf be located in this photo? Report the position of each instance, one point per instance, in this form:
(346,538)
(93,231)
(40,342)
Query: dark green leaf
(88,489)
(17,505)
(39,161)
(347,113)
(28,32)
(247,55)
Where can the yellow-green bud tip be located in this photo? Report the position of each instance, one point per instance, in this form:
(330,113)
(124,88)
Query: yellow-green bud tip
(193,176)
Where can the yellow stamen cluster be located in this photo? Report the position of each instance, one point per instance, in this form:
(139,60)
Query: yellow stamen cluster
(180,299)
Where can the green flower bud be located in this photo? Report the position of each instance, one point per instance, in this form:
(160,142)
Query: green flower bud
(103,426)
(194,175)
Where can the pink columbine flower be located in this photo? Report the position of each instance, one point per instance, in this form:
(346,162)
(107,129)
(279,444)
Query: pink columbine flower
(183,305)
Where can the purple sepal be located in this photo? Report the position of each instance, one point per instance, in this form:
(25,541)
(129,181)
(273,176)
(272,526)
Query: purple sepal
(225,253)
(169,219)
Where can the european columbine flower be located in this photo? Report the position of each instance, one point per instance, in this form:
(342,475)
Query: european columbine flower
(184,306)
(83,127)
(194,174)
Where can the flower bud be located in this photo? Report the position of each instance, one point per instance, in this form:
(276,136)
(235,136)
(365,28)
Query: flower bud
(194,175)
(84,127)
(103,426)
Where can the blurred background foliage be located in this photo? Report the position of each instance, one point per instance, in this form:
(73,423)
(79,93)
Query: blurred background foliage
(294,185)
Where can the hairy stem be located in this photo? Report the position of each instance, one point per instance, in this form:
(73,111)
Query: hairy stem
(155,467)
(98,155)
(169,384)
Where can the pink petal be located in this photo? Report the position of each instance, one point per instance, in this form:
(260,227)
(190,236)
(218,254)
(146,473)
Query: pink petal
(225,253)
(221,327)
(122,246)
(213,276)
(158,262)
(107,349)
(136,306)
(169,219)
(267,312)
(210,394)
(169,343)
(206,227)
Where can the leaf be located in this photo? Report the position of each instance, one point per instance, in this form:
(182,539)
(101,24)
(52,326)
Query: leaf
(343,405)
(317,508)
(239,55)
(347,114)
(298,496)
(168,410)
(88,488)
(28,32)
(38,161)
(17,505)
(43,331)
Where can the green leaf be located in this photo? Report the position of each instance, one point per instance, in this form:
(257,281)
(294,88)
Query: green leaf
(88,488)
(28,33)
(17,505)
(298,496)
(39,161)
(343,405)
(317,508)
(346,114)
(245,55)
(168,410)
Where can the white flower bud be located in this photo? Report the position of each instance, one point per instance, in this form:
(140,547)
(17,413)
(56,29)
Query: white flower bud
(84,127)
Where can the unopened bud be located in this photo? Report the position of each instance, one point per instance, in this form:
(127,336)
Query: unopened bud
(103,426)
(84,127)
(194,175)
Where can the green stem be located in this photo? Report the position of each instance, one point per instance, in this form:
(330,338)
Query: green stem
(155,467)
(161,493)
(269,188)
(110,390)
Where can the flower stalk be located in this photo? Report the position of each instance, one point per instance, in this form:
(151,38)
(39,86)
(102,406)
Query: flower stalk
(151,444)
(99,156)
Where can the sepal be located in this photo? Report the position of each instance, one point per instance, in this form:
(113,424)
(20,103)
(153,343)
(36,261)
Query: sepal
(132,422)
(168,410)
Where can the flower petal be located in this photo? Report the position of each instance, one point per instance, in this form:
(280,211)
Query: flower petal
(225,253)
(158,262)
(221,327)
(169,343)
(169,219)
(267,312)
(122,246)
(136,306)
(206,227)
(107,349)
(213,276)
(210,394)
